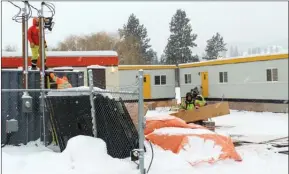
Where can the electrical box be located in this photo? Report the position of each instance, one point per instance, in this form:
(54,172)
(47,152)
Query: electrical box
(26,103)
(11,126)
(134,155)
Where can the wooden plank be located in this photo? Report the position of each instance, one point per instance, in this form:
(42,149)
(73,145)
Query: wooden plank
(204,113)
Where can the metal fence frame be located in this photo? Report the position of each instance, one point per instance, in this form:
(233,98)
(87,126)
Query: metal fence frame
(42,109)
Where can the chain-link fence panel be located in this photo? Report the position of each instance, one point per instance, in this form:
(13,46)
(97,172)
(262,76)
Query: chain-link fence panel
(107,114)
(18,126)
(71,115)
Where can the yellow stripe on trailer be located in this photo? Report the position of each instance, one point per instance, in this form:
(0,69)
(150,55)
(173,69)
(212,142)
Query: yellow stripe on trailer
(235,60)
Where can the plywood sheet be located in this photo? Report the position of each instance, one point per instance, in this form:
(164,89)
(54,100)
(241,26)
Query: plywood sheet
(132,109)
(204,113)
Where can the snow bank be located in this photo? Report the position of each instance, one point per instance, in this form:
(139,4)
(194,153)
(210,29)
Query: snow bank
(83,155)
(158,114)
(89,155)
(77,91)
(86,155)
(254,123)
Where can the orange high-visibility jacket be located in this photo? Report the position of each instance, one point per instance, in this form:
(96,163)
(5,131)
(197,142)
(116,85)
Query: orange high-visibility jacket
(62,83)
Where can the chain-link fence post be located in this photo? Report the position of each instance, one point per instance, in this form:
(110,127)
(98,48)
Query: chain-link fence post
(90,78)
(26,99)
(141,123)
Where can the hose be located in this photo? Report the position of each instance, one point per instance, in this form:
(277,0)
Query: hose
(151,158)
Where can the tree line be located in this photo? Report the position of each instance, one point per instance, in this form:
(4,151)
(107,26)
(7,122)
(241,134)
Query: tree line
(132,43)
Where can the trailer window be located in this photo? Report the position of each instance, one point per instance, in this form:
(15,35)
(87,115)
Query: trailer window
(163,80)
(272,75)
(188,78)
(160,80)
(157,80)
(223,77)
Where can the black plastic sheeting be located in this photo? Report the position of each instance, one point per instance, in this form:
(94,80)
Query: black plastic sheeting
(71,116)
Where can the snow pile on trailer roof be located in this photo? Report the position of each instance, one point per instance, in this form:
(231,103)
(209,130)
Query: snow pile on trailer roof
(146,65)
(11,69)
(96,67)
(255,55)
(65,53)
(239,57)
(76,91)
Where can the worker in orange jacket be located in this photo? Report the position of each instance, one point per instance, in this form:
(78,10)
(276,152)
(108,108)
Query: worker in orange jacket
(33,35)
(62,83)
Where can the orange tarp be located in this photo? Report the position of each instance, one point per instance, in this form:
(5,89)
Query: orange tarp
(175,143)
(167,121)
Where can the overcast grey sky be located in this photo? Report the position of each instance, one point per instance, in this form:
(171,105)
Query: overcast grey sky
(254,23)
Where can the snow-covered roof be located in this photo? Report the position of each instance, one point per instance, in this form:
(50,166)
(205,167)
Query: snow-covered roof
(240,58)
(96,67)
(77,91)
(146,67)
(65,53)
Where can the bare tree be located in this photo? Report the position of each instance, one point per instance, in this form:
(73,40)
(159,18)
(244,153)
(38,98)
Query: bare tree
(10,48)
(128,49)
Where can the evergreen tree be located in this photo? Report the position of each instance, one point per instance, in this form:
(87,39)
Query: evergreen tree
(195,58)
(181,40)
(10,48)
(249,51)
(163,59)
(135,31)
(254,51)
(215,46)
(231,51)
(258,50)
(236,52)
(152,56)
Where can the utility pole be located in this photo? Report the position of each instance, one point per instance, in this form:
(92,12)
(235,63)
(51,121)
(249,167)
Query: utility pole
(42,72)
(26,99)
(25,45)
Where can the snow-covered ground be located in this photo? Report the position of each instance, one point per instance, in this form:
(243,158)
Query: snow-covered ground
(86,155)
(254,126)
